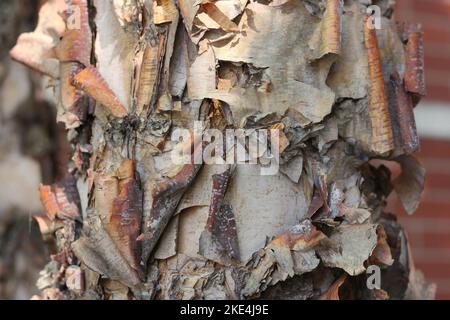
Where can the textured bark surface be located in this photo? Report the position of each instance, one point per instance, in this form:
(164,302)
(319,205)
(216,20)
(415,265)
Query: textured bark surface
(132,224)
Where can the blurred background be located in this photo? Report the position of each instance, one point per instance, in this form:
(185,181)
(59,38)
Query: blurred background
(33,150)
(429,227)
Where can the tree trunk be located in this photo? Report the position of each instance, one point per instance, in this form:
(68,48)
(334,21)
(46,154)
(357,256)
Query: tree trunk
(318,98)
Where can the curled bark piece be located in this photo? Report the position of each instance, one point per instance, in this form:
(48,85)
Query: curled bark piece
(76,43)
(49,202)
(409,185)
(121,208)
(48,229)
(293,169)
(349,77)
(219,240)
(355,215)
(277,3)
(74,53)
(149,73)
(219,187)
(164,11)
(405,117)
(188,11)
(415,70)
(97,250)
(218,16)
(179,64)
(291,253)
(349,247)
(320,183)
(166,196)
(317,202)
(47,226)
(328,35)
(382,255)
(282,142)
(61,200)
(382,135)
(90,81)
(127,12)
(333,292)
(301,237)
(75,103)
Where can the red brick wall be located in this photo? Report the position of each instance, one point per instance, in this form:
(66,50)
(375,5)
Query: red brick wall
(429,227)
(434,15)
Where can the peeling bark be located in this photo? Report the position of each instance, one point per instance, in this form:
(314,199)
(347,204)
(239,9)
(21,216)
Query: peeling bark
(153,228)
(382,136)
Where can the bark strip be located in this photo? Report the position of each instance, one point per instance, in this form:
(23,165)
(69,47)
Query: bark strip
(382,135)
(90,81)
(415,70)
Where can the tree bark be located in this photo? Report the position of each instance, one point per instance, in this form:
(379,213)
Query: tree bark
(333,96)
(30,152)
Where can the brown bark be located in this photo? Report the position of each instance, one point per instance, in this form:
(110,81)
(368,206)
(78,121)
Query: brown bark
(145,227)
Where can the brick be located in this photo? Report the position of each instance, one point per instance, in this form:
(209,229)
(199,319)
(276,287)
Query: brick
(437,63)
(433,49)
(433,209)
(435,195)
(432,148)
(437,77)
(438,92)
(437,180)
(430,255)
(442,296)
(437,241)
(439,8)
(434,270)
(403,11)
(442,283)
(415,239)
(435,34)
(415,223)
(437,84)
(436,165)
